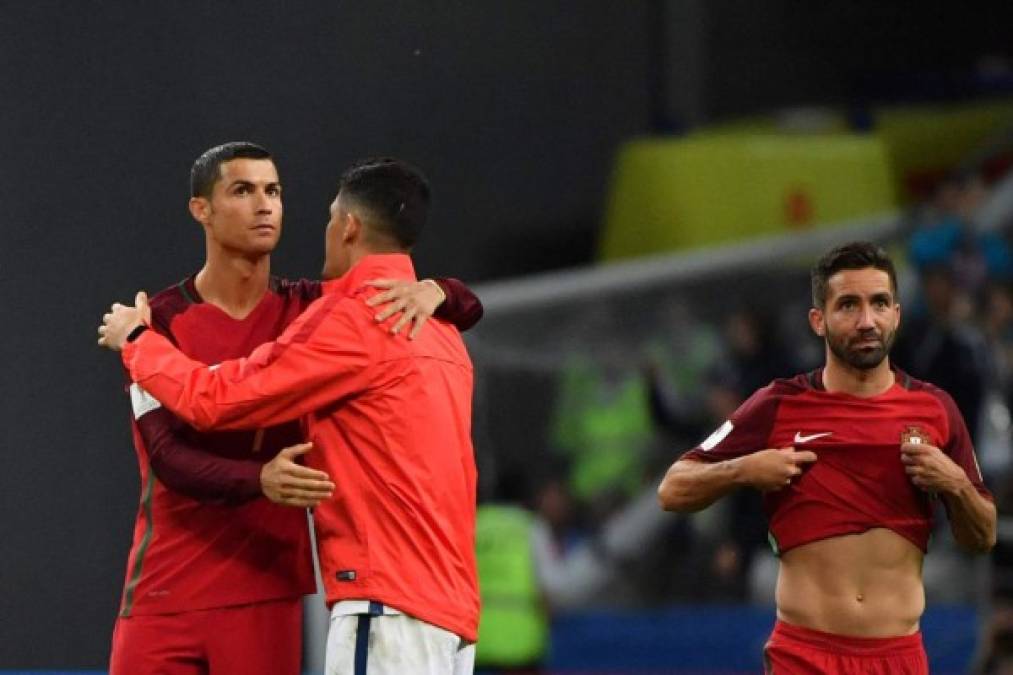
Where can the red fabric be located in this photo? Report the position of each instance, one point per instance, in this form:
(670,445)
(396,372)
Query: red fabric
(188,555)
(178,455)
(261,639)
(794,650)
(185,467)
(461,307)
(391,421)
(858,481)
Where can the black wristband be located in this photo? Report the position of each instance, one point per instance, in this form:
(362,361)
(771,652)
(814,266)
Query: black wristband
(135,332)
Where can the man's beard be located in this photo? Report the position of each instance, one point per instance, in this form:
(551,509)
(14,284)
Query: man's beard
(863,358)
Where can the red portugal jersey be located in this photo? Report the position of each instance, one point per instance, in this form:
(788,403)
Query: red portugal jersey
(858,481)
(189,554)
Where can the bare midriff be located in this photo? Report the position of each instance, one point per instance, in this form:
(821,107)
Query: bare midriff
(859,585)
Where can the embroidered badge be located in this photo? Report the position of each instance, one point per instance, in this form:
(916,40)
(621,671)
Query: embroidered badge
(914,434)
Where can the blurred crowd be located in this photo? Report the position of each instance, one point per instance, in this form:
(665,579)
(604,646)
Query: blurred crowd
(958,333)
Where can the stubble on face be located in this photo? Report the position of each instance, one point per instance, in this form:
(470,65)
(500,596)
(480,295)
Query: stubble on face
(852,337)
(856,350)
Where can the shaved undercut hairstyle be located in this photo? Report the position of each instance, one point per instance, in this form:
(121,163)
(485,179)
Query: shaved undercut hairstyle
(858,255)
(393,194)
(207,168)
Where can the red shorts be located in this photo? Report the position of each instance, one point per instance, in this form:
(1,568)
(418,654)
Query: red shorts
(259,639)
(793,650)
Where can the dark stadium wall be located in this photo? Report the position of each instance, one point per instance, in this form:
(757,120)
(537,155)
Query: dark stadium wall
(514,109)
(759,56)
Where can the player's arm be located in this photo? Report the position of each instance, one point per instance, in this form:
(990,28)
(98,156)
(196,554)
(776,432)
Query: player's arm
(319,359)
(691,484)
(972,514)
(972,518)
(185,468)
(952,472)
(188,469)
(446,299)
(461,306)
(735,455)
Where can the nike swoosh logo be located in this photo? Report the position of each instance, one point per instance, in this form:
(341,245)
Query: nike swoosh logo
(799,438)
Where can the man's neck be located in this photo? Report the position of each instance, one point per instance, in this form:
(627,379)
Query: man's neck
(839,377)
(358,253)
(234,284)
(382,247)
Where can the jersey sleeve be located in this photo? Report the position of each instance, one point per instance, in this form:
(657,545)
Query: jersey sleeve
(462,307)
(959,446)
(745,432)
(320,359)
(187,468)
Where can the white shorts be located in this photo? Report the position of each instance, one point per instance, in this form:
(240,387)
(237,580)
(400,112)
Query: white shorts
(367,638)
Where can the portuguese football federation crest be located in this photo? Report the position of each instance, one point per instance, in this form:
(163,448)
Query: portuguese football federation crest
(913,434)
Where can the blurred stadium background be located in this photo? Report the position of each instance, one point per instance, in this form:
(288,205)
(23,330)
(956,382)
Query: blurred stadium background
(635,190)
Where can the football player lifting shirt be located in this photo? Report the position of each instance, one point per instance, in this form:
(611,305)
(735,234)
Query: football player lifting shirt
(850,459)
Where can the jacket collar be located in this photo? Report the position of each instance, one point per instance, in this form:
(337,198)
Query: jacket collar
(376,266)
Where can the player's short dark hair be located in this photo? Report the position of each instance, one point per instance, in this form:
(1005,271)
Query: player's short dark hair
(395,193)
(857,255)
(206,169)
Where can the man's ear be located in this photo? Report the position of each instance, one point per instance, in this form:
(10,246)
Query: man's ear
(353,229)
(200,209)
(816,321)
